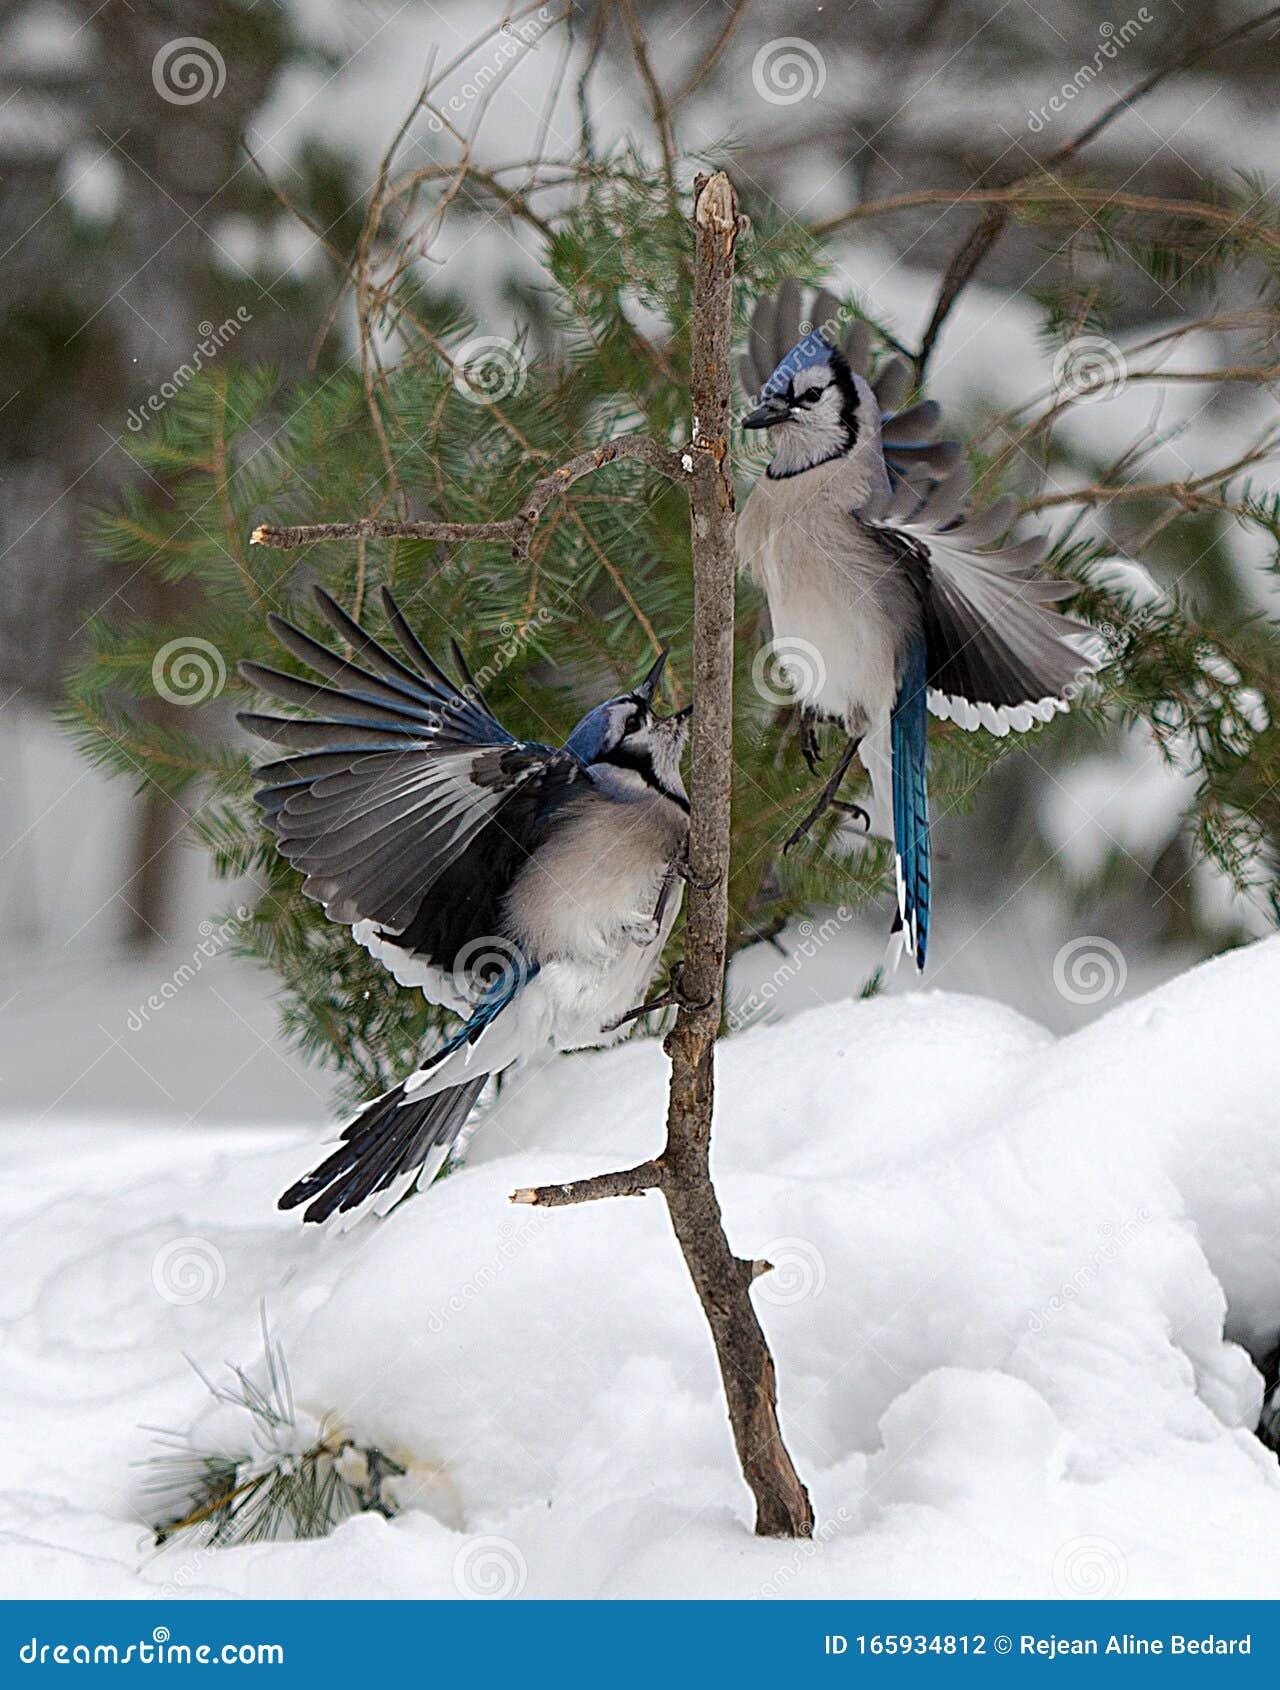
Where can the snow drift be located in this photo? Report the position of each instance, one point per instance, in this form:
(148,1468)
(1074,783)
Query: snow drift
(1015,1278)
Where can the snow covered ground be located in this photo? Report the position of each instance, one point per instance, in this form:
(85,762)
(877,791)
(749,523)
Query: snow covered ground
(1014,1275)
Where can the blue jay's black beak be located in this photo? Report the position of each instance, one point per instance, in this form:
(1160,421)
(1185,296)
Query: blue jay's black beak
(682,715)
(769,411)
(649,685)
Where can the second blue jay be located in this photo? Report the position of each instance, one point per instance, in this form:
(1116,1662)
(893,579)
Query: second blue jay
(528,888)
(888,598)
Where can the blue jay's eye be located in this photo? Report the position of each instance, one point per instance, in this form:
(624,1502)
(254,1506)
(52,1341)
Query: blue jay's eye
(810,396)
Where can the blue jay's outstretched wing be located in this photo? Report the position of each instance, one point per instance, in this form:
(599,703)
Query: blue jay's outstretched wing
(909,734)
(782,338)
(997,656)
(401,785)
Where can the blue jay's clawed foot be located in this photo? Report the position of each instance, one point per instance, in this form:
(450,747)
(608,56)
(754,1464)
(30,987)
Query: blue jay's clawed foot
(683,868)
(827,800)
(809,748)
(675,997)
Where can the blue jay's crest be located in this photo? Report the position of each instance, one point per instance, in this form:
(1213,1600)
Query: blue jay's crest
(813,349)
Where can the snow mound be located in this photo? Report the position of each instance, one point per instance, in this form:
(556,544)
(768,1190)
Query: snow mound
(1014,1281)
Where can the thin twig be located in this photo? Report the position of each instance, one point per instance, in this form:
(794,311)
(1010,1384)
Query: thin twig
(1054,193)
(711,58)
(657,100)
(518,529)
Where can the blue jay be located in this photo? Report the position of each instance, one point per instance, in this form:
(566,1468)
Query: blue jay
(888,598)
(528,889)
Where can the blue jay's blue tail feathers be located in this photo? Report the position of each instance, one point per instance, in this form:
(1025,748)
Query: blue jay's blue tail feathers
(909,731)
(400,1140)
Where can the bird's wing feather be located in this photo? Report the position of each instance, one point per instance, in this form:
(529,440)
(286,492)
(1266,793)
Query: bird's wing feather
(998,657)
(407,807)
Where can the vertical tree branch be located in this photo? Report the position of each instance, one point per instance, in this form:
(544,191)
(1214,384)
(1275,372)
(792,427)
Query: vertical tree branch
(683,1172)
(722,1280)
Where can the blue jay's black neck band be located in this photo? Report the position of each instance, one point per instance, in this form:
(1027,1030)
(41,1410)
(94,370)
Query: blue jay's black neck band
(802,469)
(640,761)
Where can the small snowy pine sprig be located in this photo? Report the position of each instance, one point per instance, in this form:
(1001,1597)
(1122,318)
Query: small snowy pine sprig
(257,1468)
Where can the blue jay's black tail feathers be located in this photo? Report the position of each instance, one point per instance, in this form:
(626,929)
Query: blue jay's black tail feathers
(909,731)
(393,1137)
(402,1138)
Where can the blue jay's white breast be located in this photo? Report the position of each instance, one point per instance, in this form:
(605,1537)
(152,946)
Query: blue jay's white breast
(840,608)
(583,909)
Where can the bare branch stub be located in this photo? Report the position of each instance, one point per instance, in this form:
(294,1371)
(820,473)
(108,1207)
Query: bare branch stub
(627,1182)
